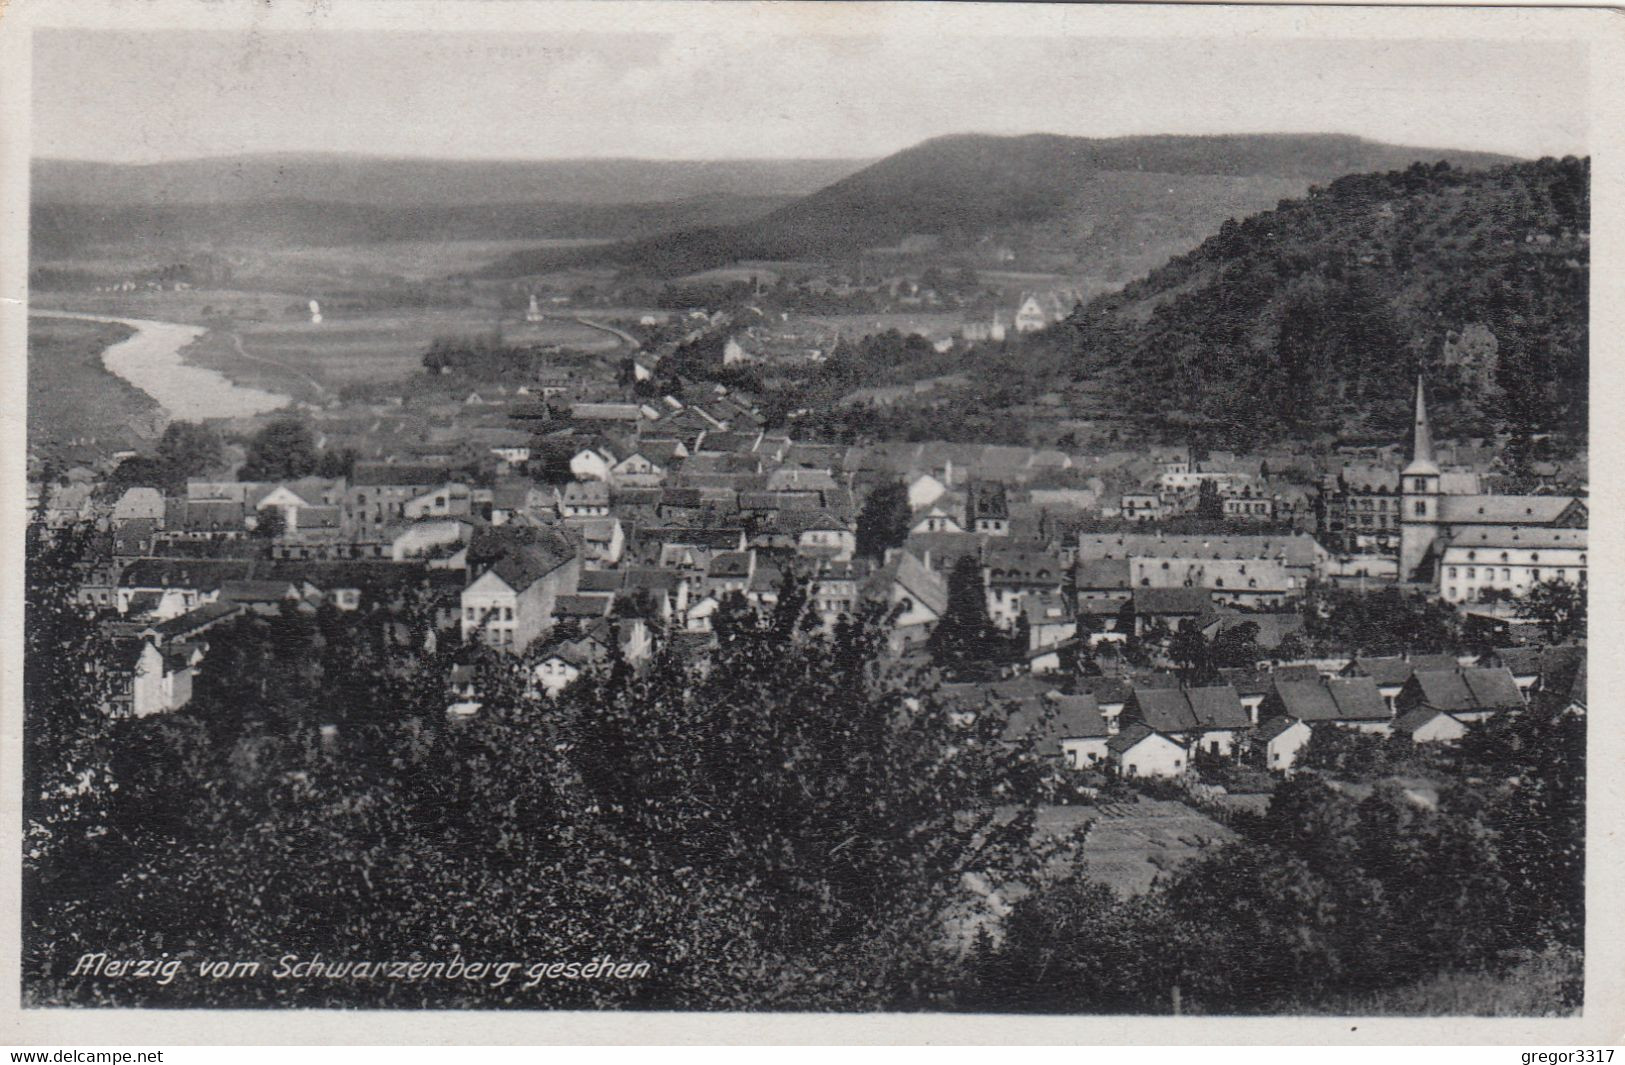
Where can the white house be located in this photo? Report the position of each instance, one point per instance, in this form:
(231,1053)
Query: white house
(1137,751)
(1280,739)
(1426,725)
(584,499)
(151,681)
(637,470)
(558,668)
(592,464)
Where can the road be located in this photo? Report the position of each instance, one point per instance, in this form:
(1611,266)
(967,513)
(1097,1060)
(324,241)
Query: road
(626,338)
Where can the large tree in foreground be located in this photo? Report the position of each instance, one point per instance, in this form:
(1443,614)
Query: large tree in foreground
(783,824)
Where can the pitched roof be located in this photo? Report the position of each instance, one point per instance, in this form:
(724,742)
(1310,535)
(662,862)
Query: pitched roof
(1108,573)
(1539,660)
(522,565)
(1357,699)
(1274,727)
(1502,510)
(1493,688)
(1070,717)
(1164,709)
(1390,670)
(1129,737)
(1467,690)
(1217,706)
(582,606)
(1195,601)
(1106,690)
(1408,723)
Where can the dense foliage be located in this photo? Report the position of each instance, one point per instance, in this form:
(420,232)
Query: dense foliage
(1332,895)
(787,827)
(1316,317)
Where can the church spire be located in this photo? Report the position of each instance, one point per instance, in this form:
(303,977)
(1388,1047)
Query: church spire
(1422,460)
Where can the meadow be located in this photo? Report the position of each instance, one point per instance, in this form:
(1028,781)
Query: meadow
(266,339)
(72,396)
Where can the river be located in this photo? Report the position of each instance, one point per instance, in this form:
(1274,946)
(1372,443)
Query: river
(151,361)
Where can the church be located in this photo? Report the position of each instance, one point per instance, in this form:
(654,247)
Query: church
(1467,545)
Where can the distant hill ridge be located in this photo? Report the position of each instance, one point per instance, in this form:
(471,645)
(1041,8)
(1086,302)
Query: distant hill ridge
(1314,319)
(401,182)
(1119,204)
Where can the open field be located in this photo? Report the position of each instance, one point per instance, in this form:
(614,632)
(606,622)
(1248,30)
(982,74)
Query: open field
(72,396)
(1133,842)
(266,340)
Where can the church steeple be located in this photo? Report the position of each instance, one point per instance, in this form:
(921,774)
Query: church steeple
(1422,461)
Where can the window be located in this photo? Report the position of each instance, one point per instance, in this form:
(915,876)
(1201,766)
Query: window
(1452,572)
(1472,571)
(1535,574)
(1506,574)
(1421,508)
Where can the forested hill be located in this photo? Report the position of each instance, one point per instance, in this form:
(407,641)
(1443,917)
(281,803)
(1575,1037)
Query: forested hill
(1314,318)
(1105,207)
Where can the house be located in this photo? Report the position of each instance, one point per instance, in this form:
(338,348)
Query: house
(1465,694)
(1141,506)
(1013,576)
(1040,309)
(924,490)
(559,666)
(1049,620)
(1067,728)
(378,492)
(834,590)
(138,504)
(1169,606)
(1278,742)
(150,680)
(639,469)
(1353,702)
(729,571)
(169,587)
(511,600)
(584,499)
(918,595)
(1207,717)
(934,518)
(603,540)
(1390,672)
(819,534)
(450,500)
(1138,751)
(593,462)
(1538,668)
(1111,694)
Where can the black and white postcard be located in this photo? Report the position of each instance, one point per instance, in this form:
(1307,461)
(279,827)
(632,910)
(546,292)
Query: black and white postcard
(982,513)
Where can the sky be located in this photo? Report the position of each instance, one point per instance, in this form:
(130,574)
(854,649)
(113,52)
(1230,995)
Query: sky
(142,96)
